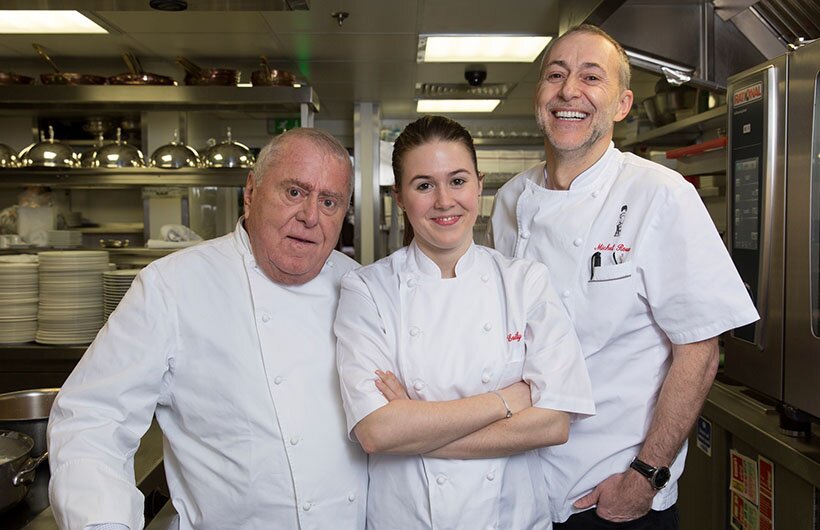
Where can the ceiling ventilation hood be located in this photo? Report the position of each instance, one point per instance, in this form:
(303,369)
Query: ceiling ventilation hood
(713,38)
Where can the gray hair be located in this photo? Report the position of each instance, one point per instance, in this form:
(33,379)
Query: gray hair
(624,72)
(270,154)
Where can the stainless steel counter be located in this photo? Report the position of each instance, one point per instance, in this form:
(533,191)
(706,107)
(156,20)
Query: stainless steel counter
(35,514)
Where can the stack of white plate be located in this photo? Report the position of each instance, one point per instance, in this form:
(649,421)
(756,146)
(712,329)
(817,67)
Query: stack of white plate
(18,298)
(115,285)
(71,296)
(64,238)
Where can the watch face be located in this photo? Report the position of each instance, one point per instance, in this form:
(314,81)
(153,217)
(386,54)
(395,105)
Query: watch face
(661,478)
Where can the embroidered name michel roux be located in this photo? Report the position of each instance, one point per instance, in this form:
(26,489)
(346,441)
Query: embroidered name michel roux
(514,337)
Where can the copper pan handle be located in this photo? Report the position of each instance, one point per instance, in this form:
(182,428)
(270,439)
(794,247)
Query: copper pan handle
(42,53)
(189,67)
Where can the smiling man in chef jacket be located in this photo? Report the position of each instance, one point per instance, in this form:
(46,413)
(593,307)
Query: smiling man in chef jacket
(230,344)
(642,273)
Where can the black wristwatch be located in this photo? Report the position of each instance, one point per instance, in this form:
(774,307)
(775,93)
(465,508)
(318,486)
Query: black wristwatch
(658,477)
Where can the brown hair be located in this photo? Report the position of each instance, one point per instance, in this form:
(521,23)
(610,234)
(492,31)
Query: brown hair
(423,131)
(624,73)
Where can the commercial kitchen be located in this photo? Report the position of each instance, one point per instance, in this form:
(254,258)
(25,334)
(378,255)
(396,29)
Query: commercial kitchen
(132,137)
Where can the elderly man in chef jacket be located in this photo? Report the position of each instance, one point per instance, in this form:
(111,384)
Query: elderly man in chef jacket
(230,344)
(642,273)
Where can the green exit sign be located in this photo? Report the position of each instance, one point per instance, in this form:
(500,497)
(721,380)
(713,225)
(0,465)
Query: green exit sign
(280,125)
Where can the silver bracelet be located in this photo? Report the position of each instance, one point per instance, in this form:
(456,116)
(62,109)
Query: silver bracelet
(506,406)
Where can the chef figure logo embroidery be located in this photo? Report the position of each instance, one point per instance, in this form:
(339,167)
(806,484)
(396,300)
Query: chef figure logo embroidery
(621,218)
(619,250)
(619,256)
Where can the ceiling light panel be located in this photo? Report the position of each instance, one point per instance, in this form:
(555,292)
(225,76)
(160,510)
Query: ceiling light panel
(480,48)
(44,21)
(427,106)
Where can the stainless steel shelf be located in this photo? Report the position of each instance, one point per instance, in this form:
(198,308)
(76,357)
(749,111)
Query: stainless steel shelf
(122,178)
(268,99)
(509,141)
(681,132)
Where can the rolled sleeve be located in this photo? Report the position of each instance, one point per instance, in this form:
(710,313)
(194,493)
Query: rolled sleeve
(361,349)
(554,366)
(691,283)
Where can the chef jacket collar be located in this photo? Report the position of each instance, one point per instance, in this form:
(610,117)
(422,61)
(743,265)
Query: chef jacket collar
(588,179)
(426,266)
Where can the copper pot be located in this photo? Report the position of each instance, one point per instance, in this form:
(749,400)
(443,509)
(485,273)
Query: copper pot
(65,78)
(9,78)
(137,76)
(268,76)
(208,76)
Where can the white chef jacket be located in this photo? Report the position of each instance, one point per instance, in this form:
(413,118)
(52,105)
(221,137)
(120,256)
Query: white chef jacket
(664,277)
(241,374)
(497,322)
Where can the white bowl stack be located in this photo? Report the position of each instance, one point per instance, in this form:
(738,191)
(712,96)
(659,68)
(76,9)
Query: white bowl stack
(18,298)
(115,285)
(71,296)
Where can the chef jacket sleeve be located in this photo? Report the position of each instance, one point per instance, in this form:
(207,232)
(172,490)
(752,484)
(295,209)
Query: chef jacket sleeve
(691,284)
(106,406)
(361,349)
(554,365)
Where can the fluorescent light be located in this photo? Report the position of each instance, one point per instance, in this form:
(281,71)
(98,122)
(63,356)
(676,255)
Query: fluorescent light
(481,48)
(457,105)
(45,21)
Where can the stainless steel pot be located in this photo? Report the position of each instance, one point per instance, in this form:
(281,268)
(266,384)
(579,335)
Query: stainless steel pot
(17,468)
(27,411)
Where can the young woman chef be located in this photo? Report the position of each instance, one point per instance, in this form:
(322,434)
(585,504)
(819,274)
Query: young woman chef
(490,364)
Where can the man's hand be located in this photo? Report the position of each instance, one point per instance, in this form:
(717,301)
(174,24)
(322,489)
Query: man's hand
(620,498)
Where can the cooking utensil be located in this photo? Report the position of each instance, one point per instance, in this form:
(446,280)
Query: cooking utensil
(208,76)
(27,411)
(8,157)
(49,153)
(137,76)
(228,154)
(175,155)
(9,78)
(17,468)
(65,78)
(268,76)
(118,154)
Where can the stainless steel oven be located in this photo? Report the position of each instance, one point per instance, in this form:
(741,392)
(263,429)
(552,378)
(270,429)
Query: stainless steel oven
(773,191)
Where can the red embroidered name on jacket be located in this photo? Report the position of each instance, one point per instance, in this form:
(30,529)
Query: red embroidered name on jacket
(514,337)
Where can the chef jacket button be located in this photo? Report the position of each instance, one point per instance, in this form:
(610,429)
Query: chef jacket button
(306,506)
(294,440)
(265,317)
(351,497)
(414,331)
(330,263)
(418,385)
(577,242)
(487,326)
(277,380)
(595,193)
(411,283)
(485,278)
(566,293)
(525,234)
(441,479)
(491,475)
(485,377)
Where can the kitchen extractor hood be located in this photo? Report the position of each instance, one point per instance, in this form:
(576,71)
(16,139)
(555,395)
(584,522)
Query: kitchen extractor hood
(714,38)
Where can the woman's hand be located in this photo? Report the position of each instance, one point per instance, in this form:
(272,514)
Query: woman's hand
(390,386)
(518,396)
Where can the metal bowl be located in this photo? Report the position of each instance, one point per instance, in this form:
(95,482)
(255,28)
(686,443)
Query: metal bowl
(228,154)
(175,155)
(8,157)
(118,154)
(49,153)
(27,411)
